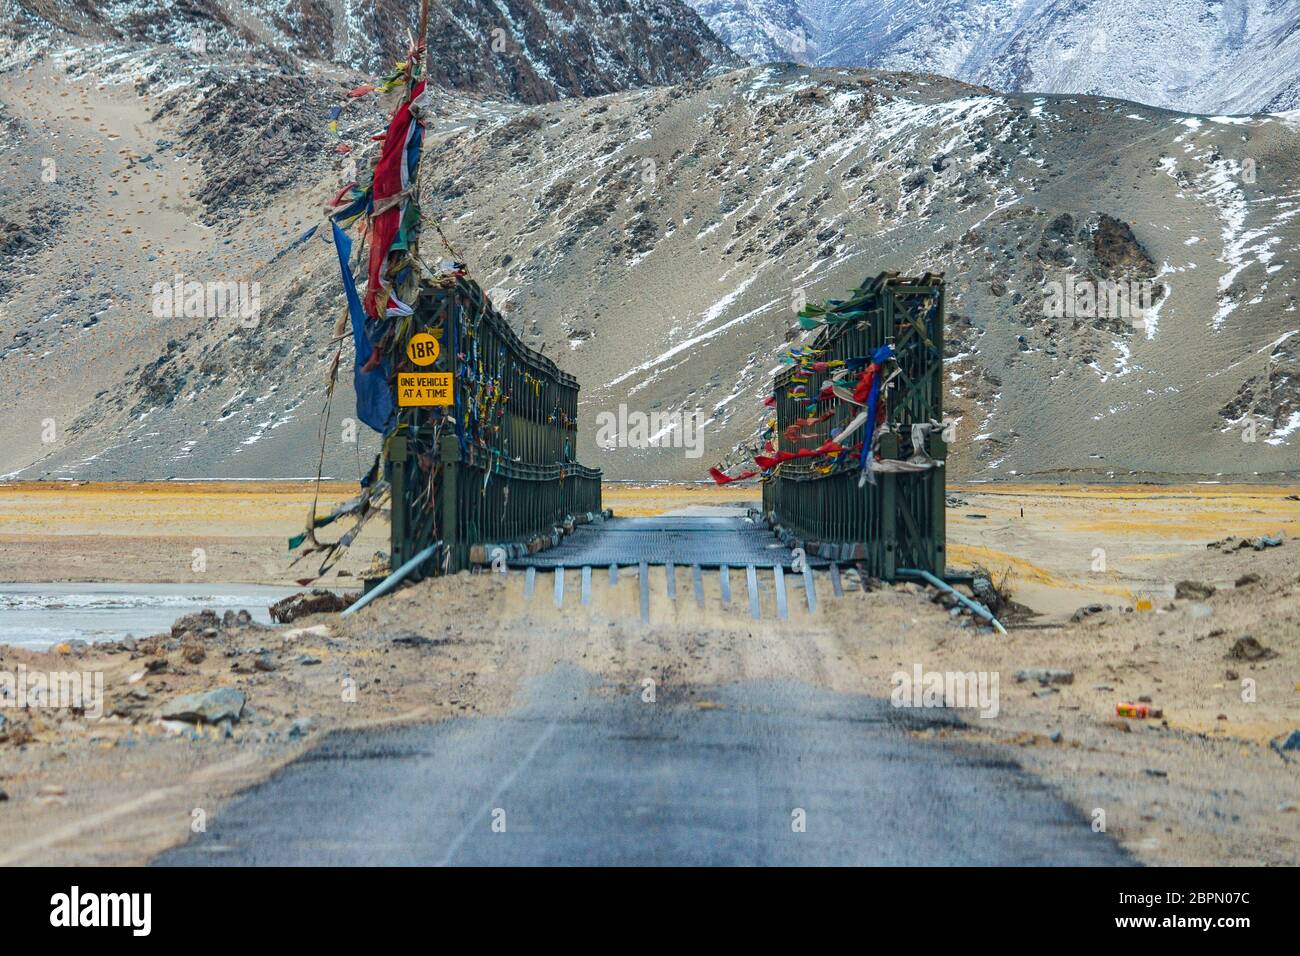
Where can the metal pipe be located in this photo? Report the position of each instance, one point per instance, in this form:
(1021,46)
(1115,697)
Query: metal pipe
(392,580)
(943,585)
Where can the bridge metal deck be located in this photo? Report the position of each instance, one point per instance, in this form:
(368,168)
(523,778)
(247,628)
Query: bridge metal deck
(726,542)
(703,541)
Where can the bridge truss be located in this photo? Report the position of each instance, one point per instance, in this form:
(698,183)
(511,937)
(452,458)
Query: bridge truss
(895,521)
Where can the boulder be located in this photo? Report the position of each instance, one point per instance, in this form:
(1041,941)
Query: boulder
(318,601)
(208,707)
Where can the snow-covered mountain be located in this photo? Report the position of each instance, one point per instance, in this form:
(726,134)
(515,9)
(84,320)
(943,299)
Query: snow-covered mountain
(1206,56)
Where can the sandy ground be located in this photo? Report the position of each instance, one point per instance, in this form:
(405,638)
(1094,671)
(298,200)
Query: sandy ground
(1200,785)
(147,532)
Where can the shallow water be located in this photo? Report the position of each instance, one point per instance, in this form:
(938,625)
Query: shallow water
(40,615)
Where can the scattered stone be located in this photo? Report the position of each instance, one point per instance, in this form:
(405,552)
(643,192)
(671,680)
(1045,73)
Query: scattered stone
(262,662)
(318,601)
(213,706)
(3,796)
(1122,725)
(1193,591)
(1056,736)
(192,651)
(1046,692)
(1150,772)
(1230,543)
(1230,674)
(300,728)
(1246,580)
(1249,649)
(306,661)
(1045,676)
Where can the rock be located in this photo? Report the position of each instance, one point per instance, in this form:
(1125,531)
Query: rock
(213,706)
(1264,541)
(3,796)
(205,620)
(1046,692)
(1056,736)
(263,662)
(306,661)
(318,601)
(1193,591)
(1249,649)
(318,630)
(416,640)
(233,619)
(300,728)
(1246,580)
(1230,674)
(1087,611)
(192,651)
(1045,676)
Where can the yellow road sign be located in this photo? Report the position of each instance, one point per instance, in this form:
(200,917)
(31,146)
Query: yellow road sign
(424,389)
(423,349)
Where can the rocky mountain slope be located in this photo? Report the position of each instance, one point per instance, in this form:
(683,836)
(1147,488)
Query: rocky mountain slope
(516,49)
(653,241)
(1195,55)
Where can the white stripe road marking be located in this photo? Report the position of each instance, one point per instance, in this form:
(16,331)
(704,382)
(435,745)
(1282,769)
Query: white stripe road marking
(502,787)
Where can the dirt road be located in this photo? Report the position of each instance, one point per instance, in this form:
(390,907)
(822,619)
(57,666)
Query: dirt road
(760,773)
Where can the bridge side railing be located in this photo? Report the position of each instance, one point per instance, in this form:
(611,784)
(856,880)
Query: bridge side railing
(898,521)
(495,466)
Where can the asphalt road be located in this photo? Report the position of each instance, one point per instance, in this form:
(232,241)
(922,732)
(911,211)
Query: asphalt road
(585,777)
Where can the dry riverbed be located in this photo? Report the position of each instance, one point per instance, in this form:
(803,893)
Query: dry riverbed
(1204,783)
